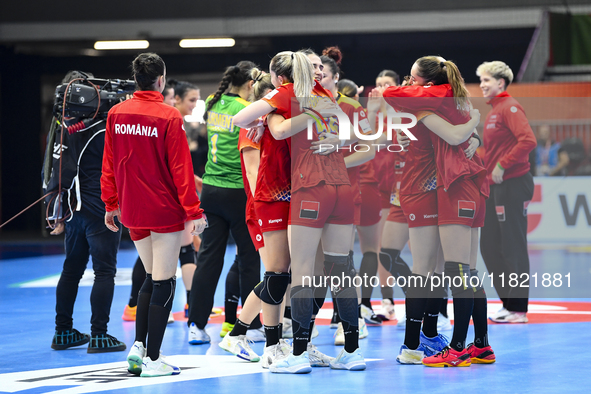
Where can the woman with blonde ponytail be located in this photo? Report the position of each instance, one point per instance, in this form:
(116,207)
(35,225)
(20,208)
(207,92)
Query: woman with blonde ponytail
(321,203)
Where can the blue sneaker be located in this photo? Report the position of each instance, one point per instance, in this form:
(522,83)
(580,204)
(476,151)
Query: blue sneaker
(408,356)
(292,364)
(349,361)
(434,345)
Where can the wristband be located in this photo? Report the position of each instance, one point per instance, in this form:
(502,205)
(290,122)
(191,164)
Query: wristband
(475,135)
(500,167)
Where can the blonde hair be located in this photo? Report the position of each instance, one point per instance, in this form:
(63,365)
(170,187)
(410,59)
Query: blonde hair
(297,68)
(262,83)
(496,69)
(440,71)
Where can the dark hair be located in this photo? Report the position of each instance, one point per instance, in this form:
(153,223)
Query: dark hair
(390,73)
(262,83)
(346,87)
(167,88)
(146,68)
(182,87)
(332,58)
(75,74)
(432,69)
(236,75)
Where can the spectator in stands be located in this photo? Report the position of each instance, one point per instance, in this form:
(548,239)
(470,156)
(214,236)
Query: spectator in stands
(550,158)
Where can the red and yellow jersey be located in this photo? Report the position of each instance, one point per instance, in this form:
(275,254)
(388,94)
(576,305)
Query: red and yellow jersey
(274,177)
(309,169)
(244,142)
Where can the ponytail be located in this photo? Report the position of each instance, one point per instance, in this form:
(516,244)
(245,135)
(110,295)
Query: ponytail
(297,68)
(457,86)
(262,83)
(237,76)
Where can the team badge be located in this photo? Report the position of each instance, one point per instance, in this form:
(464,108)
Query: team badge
(500,212)
(466,209)
(309,210)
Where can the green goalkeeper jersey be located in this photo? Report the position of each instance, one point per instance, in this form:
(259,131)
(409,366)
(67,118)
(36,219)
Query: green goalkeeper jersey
(223,158)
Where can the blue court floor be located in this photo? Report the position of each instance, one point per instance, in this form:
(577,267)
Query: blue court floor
(549,355)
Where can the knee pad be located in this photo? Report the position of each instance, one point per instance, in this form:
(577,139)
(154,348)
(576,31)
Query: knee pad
(347,303)
(340,273)
(477,284)
(319,294)
(388,259)
(187,255)
(437,288)
(457,276)
(271,289)
(302,305)
(147,286)
(163,294)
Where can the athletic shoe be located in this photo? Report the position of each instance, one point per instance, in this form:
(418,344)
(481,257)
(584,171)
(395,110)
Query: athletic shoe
(186,311)
(158,368)
(500,313)
(226,328)
(334,321)
(483,355)
(388,310)
(443,323)
(240,347)
(287,331)
(339,336)
(317,358)
(363,332)
(256,334)
(170,318)
(408,356)
(272,354)
(104,343)
(135,358)
(512,317)
(292,364)
(401,325)
(434,345)
(315,332)
(197,336)
(129,313)
(448,357)
(69,338)
(285,347)
(368,315)
(349,361)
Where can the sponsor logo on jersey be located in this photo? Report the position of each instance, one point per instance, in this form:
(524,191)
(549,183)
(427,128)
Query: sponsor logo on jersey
(432,216)
(309,210)
(490,126)
(500,212)
(136,129)
(412,216)
(259,237)
(275,221)
(466,209)
(513,109)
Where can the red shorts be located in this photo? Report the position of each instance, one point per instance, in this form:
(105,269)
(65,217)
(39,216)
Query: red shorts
(137,234)
(357,214)
(396,214)
(420,209)
(459,204)
(272,216)
(255,233)
(385,199)
(371,204)
(322,204)
(480,213)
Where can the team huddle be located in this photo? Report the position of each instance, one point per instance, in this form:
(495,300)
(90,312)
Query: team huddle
(303,194)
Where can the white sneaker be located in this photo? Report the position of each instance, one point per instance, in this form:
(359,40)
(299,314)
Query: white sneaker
(339,336)
(292,364)
(443,323)
(369,316)
(275,353)
(315,332)
(170,318)
(408,356)
(197,336)
(349,361)
(401,325)
(499,314)
(135,357)
(256,334)
(240,347)
(512,317)
(363,332)
(158,368)
(287,331)
(317,358)
(388,310)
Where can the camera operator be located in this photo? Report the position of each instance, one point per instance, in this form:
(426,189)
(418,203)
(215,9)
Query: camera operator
(82,218)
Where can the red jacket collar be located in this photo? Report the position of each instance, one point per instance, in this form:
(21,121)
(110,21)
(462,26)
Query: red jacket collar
(149,95)
(497,98)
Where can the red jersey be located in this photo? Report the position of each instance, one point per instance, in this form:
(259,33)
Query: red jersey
(309,169)
(508,138)
(147,170)
(244,142)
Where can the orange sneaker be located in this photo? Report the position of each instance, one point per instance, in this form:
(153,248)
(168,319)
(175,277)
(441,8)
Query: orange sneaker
(483,355)
(448,357)
(129,313)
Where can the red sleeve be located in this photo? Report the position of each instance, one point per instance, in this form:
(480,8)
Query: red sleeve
(244,141)
(515,120)
(281,100)
(108,187)
(181,168)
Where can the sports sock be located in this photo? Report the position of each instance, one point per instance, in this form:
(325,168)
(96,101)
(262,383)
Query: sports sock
(272,335)
(368,268)
(415,310)
(463,299)
(138,276)
(479,314)
(240,328)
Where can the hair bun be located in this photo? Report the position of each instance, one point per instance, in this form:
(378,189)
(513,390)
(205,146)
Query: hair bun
(334,53)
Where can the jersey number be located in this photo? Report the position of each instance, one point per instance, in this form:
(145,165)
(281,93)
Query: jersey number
(214,148)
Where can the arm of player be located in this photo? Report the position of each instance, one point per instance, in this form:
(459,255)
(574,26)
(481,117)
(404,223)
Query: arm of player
(249,116)
(252,159)
(452,134)
(360,157)
(282,128)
